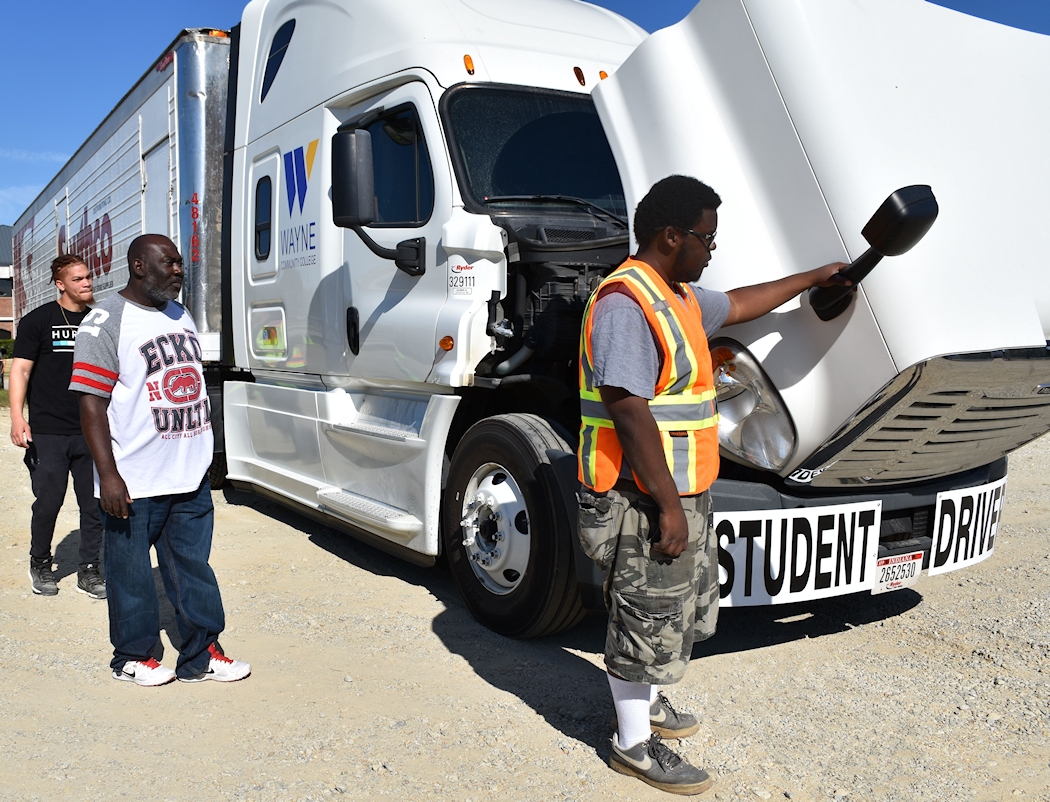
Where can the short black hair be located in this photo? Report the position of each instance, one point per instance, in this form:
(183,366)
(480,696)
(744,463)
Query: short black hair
(677,201)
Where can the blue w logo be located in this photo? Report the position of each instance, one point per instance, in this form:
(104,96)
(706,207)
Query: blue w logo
(297,168)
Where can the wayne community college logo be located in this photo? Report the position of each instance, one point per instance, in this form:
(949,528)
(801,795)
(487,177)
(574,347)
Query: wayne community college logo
(298,165)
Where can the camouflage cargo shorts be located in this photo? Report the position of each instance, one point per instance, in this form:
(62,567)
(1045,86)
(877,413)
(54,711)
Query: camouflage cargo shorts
(658,607)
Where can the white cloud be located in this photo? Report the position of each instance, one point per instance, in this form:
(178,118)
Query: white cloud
(19,155)
(15,200)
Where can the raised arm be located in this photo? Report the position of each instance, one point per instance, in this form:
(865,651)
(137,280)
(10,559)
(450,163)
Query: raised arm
(748,303)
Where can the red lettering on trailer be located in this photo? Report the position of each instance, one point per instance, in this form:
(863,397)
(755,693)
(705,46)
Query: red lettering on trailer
(93,243)
(195,240)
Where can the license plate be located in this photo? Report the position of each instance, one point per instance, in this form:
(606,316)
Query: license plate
(965,525)
(896,572)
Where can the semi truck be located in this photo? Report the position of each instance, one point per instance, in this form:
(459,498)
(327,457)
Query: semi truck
(393,213)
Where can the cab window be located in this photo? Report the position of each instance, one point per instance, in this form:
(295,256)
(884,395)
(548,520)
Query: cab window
(404,180)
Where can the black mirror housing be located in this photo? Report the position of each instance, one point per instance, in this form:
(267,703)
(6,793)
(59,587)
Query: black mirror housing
(353,179)
(902,220)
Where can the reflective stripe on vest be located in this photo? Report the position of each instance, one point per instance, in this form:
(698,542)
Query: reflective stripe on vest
(684,403)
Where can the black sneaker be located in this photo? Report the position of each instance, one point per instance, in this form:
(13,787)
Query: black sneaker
(653,763)
(667,721)
(42,577)
(90,583)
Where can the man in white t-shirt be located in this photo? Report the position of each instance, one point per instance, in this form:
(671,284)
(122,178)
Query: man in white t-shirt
(144,408)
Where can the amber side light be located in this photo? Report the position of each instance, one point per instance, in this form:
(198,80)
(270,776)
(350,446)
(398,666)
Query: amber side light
(579,76)
(468,62)
(446,343)
(219,34)
(603,74)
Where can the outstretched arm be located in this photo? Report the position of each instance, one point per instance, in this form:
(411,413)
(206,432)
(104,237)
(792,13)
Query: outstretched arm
(113,493)
(748,303)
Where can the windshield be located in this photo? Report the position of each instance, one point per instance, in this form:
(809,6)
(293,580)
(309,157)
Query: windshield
(511,145)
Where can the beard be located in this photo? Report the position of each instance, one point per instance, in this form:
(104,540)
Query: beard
(679,269)
(155,291)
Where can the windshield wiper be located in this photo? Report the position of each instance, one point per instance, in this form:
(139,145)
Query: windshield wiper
(593,207)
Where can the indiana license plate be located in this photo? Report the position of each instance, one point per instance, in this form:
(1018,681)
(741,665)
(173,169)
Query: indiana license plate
(896,572)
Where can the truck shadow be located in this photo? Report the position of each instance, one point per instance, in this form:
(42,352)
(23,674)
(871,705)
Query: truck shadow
(741,629)
(562,677)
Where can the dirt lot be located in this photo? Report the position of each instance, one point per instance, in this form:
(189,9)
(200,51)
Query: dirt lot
(370,679)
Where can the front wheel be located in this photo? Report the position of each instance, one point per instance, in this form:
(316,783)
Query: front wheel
(506,529)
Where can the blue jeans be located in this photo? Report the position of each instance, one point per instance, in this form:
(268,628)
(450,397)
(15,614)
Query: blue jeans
(180,528)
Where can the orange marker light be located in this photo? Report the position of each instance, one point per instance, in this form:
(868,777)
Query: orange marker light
(468,62)
(219,34)
(603,74)
(579,76)
(446,343)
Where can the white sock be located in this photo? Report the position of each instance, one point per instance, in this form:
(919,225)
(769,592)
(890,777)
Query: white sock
(653,690)
(631,700)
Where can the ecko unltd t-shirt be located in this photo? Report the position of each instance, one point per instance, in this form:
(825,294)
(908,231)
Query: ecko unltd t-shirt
(148,363)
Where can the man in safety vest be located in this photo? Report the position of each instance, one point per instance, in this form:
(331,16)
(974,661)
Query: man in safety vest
(649,453)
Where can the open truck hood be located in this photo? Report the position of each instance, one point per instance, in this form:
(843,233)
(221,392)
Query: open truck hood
(805,115)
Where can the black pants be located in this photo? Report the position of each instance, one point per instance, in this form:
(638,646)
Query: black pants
(51,458)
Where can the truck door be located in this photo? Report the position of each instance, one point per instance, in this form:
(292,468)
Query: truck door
(392,316)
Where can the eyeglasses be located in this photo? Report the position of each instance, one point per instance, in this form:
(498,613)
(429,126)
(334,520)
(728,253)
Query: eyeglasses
(707,239)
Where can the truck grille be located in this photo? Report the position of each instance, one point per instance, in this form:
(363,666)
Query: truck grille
(941,417)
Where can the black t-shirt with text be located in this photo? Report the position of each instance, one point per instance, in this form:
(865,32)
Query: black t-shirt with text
(46,336)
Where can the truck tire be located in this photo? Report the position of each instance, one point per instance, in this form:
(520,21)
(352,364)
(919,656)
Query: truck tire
(516,571)
(217,471)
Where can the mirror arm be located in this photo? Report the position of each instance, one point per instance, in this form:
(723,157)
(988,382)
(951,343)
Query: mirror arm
(409,255)
(373,246)
(830,302)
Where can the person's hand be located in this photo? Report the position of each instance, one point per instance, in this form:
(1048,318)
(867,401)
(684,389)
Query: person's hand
(674,532)
(21,434)
(830,276)
(113,496)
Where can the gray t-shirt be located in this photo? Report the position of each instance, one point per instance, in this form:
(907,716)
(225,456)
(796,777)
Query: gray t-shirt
(626,353)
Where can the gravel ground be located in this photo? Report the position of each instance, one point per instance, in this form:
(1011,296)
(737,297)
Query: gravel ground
(370,680)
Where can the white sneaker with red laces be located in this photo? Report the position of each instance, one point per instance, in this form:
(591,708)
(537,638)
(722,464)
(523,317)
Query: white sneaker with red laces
(221,669)
(146,672)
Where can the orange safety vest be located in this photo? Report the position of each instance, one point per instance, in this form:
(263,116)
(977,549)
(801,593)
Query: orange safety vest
(684,403)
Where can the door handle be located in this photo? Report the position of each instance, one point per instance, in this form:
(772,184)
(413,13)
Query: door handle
(353,330)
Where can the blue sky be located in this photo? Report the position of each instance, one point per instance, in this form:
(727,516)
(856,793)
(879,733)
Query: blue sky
(65,64)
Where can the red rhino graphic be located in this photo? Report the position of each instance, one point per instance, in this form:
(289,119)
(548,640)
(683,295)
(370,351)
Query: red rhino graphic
(181,385)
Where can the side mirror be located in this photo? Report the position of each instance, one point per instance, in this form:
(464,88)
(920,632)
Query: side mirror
(353,179)
(353,194)
(901,221)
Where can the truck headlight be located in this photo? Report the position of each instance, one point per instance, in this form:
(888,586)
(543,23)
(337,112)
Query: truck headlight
(754,426)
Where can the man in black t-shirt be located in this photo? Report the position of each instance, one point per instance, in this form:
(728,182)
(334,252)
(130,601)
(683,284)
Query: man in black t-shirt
(55,446)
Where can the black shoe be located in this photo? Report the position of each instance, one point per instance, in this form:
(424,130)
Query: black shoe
(653,763)
(670,723)
(90,583)
(42,577)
